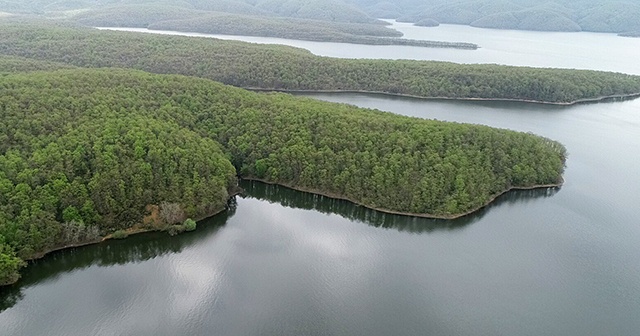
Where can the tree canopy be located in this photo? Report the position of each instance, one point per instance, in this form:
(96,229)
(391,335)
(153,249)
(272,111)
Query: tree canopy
(84,153)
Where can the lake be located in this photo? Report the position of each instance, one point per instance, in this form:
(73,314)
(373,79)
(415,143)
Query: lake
(593,51)
(279,262)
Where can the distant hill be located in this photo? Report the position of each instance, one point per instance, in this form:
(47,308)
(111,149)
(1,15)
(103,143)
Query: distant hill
(556,15)
(311,20)
(327,10)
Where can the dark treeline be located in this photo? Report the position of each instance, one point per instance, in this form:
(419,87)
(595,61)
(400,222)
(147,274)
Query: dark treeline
(84,153)
(285,68)
(149,14)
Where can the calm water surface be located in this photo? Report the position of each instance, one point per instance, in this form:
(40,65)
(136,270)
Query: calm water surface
(546,262)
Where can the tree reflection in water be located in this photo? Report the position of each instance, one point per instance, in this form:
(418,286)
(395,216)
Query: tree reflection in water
(308,201)
(142,247)
(134,249)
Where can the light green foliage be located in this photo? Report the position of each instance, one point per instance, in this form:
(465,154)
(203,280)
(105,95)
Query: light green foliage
(190,224)
(120,234)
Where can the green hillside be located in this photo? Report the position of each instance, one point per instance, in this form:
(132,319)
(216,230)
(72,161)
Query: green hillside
(85,153)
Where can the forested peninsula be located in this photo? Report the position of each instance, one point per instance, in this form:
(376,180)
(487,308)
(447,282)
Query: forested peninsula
(158,17)
(235,19)
(299,29)
(89,152)
(285,68)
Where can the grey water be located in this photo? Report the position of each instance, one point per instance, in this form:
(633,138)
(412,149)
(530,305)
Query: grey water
(545,262)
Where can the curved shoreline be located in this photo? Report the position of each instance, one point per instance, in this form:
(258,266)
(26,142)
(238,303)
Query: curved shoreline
(135,231)
(627,96)
(393,212)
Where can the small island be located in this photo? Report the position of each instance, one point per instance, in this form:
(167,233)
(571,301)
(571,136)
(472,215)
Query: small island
(630,34)
(427,23)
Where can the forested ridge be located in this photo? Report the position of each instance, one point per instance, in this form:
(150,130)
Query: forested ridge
(162,17)
(84,153)
(555,15)
(285,68)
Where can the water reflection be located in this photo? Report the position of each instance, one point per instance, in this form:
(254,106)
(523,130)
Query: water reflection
(139,248)
(308,201)
(134,249)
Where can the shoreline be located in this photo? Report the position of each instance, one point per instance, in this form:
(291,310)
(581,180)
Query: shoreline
(628,96)
(130,232)
(239,191)
(420,215)
(136,231)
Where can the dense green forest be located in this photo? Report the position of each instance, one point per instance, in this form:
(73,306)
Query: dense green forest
(84,153)
(285,68)
(556,15)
